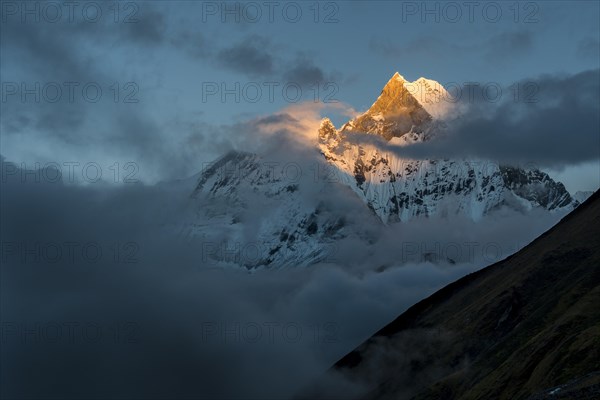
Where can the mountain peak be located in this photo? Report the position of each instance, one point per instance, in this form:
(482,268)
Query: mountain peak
(395,112)
(422,81)
(395,80)
(326,122)
(397,76)
(432,96)
(327,130)
(404,107)
(394,97)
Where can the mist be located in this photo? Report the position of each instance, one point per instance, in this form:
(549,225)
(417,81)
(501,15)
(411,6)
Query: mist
(101,280)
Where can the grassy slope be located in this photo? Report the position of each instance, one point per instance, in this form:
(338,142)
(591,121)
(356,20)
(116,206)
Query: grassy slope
(523,325)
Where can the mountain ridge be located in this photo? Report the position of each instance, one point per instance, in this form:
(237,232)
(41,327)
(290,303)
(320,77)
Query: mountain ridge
(393,189)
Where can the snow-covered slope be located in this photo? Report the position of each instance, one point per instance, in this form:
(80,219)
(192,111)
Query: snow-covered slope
(581,196)
(249,214)
(432,96)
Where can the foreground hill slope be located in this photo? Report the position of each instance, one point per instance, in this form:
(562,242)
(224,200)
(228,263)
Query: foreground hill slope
(526,327)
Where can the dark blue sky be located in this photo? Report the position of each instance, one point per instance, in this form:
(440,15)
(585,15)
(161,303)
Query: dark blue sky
(177,58)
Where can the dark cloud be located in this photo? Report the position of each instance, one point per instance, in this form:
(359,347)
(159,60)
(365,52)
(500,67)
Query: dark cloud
(495,48)
(43,56)
(278,119)
(508,44)
(553,122)
(252,56)
(422,45)
(47,49)
(72,52)
(154,288)
(148,26)
(64,126)
(258,57)
(304,72)
(139,132)
(195,44)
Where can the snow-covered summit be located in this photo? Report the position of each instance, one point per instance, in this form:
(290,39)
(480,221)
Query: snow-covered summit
(395,113)
(432,96)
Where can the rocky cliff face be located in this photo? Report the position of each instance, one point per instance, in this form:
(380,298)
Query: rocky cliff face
(395,112)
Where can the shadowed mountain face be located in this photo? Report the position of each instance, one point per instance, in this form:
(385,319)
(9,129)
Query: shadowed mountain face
(522,328)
